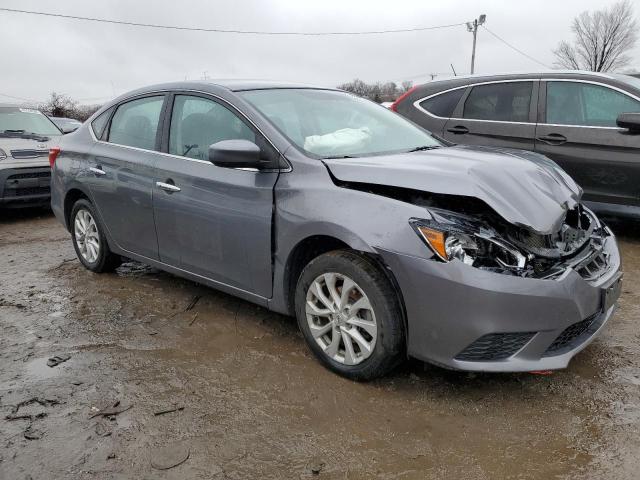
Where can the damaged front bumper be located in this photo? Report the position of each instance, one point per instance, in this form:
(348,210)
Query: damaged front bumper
(466,318)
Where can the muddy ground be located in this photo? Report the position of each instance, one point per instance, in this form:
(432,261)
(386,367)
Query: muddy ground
(254,404)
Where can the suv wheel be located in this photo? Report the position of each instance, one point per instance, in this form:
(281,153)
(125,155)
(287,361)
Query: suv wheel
(89,241)
(349,315)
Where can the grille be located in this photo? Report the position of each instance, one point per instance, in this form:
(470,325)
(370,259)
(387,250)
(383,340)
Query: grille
(17,176)
(24,192)
(594,268)
(495,346)
(567,339)
(29,153)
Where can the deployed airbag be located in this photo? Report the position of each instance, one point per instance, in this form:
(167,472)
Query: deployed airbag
(345,139)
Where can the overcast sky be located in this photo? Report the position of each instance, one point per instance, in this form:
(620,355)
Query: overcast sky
(93,62)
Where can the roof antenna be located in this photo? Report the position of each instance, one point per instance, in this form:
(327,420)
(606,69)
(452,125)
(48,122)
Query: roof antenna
(454,71)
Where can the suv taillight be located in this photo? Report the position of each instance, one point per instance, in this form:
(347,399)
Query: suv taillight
(53,154)
(395,104)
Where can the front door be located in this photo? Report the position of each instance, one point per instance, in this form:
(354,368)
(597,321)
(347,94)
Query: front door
(500,114)
(120,174)
(213,221)
(579,133)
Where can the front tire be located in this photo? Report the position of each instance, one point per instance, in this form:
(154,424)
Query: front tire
(350,315)
(89,240)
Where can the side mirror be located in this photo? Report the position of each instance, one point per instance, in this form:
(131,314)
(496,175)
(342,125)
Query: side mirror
(630,121)
(235,154)
(69,128)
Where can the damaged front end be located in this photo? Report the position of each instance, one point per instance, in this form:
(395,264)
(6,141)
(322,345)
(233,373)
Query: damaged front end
(485,241)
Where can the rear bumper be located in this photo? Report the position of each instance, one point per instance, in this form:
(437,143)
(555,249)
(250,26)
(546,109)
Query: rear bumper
(25,186)
(464,318)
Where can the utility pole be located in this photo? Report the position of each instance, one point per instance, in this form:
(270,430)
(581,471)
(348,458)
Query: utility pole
(473,28)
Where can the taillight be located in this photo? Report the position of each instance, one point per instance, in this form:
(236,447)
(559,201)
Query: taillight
(53,154)
(395,104)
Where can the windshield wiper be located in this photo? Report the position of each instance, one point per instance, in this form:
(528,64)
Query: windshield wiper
(23,134)
(423,148)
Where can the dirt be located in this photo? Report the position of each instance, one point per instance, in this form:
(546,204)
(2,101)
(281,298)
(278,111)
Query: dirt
(245,399)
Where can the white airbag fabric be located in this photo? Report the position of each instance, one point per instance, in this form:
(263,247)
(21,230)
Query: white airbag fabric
(344,140)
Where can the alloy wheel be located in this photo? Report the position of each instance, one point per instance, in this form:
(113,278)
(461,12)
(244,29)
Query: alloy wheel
(86,235)
(341,318)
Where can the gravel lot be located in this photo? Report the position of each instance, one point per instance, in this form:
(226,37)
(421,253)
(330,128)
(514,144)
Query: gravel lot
(251,401)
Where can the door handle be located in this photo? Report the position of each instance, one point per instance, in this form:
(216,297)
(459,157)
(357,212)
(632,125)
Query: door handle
(458,130)
(97,171)
(553,139)
(168,187)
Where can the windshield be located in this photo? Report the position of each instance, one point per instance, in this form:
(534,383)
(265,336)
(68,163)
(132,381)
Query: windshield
(633,81)
(332,124)
(27,121)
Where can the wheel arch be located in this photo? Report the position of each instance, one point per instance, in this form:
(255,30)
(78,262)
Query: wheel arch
(312,246)
(71,197)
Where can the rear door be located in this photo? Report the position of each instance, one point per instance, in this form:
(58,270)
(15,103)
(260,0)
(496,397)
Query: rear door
(213,221)
(498,114)
(578,131)
(120,173)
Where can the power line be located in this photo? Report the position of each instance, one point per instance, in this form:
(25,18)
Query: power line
(222,30)
(515,48)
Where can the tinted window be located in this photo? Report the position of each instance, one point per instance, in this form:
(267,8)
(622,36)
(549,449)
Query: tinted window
(444,104)
(507,102)
(100,123)
(135,123)
(198,122)
(574,103)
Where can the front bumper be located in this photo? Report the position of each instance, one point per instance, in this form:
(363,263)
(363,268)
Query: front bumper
(25,186)
(465,318)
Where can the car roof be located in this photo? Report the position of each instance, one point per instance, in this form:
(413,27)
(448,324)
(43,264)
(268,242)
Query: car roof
(234,85)
(538,74)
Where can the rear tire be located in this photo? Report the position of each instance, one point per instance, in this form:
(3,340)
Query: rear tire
(89,240)
(359,333)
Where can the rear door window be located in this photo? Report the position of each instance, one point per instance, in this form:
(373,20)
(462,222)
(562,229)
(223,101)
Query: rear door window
(505,102)
(443,105)
(586,104)
(135,123)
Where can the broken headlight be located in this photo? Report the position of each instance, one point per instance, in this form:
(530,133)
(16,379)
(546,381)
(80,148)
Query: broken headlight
(452,237)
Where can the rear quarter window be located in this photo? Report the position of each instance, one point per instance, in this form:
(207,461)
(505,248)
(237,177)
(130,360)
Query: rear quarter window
(99,124)
(443,104)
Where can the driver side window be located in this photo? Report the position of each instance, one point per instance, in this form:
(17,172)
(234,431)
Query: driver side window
(198,122)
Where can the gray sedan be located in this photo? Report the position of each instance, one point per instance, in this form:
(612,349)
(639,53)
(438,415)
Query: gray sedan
(381,240)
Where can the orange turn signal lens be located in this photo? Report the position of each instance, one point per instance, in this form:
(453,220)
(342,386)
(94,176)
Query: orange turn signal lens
(435,240)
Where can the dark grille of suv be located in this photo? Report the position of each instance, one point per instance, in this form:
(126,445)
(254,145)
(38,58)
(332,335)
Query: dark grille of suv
(495,346)
(18,176)
(567,339)
(27,184)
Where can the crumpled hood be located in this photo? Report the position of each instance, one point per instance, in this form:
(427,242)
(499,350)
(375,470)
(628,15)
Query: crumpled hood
(525,188)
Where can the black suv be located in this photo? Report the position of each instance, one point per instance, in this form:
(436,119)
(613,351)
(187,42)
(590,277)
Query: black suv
(586,122)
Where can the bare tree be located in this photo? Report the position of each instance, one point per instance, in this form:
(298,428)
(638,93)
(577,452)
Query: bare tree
(602,39)
(59,105)
(406,86)
(378,92)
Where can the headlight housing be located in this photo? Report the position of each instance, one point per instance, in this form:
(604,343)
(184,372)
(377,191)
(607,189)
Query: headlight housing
(474,243)
(3,154)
